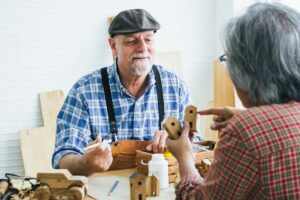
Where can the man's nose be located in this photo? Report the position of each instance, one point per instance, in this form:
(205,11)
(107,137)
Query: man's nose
(142,46)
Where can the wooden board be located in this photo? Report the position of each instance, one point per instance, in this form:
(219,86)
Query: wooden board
(208,120)
(170,60)
(37,146)
(223,86)
(51,103)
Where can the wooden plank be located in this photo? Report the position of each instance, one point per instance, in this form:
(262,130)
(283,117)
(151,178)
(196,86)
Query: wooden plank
(51,103)
(223,86)
(37,146)
(170,60)
(208,120)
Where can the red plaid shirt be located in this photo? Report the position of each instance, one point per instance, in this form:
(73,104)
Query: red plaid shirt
(257,157)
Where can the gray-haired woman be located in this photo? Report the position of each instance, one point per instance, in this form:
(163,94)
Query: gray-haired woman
(258,154)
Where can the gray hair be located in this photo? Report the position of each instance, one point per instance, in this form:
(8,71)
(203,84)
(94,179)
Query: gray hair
(263,53)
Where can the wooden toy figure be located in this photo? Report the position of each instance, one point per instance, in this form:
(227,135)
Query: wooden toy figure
(60,184)
(191,117)
(172,126)
(142,186)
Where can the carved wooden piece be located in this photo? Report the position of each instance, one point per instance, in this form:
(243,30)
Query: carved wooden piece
(172,126)
(142,186)
(191,117)
(61,183)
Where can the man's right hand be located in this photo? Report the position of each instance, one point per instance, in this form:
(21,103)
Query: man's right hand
(223,115)
(94,160)
(98,159)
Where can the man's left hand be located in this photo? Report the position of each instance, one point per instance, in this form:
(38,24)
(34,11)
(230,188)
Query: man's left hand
(159,142)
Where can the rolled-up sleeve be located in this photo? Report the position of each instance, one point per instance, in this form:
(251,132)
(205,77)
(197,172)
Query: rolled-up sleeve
(72,131)
(231,175)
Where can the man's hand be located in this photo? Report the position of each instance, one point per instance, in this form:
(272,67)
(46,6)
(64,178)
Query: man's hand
(94,160)
(223,115)
(159,142)
(98,159)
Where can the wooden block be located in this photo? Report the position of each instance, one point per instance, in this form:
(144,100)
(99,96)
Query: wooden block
(138,190)
(172,126)
(142,186)
(153,186)
(191,117)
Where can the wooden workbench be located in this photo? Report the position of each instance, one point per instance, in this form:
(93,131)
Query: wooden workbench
(100,184)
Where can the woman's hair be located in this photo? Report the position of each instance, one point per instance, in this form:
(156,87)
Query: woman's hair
(263,53)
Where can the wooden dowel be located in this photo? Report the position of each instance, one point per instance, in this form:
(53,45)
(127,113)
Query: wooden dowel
(92,146)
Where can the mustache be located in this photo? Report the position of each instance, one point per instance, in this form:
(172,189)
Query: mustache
(140,55)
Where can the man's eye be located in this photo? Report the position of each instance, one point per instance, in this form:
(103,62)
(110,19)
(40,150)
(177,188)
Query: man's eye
(131,42)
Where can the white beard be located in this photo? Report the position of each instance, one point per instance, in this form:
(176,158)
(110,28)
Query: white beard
(141,68)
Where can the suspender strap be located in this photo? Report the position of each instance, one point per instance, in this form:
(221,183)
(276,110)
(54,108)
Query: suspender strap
(109,103)
(160,96)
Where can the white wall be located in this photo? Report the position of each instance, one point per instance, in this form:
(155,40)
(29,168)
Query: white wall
(49,44)
(292,3)
(223,12)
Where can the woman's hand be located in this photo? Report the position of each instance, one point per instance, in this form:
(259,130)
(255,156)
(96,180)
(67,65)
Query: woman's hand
(182,147)
(223,115)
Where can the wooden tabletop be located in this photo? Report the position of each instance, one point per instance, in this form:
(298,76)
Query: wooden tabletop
(100,184)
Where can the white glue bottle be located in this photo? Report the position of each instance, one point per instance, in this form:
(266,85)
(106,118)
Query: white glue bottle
(158,166)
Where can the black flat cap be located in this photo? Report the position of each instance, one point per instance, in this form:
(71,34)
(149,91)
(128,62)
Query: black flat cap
(132,21)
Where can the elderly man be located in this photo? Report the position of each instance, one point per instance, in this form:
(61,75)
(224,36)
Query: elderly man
(258,153)
(125,101)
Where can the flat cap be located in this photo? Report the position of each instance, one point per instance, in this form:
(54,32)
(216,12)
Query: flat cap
(133,21)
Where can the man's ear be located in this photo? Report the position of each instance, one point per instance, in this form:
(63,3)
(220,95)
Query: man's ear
(112,43)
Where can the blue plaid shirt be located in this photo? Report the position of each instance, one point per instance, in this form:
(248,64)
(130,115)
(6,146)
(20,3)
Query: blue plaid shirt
(84,116)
